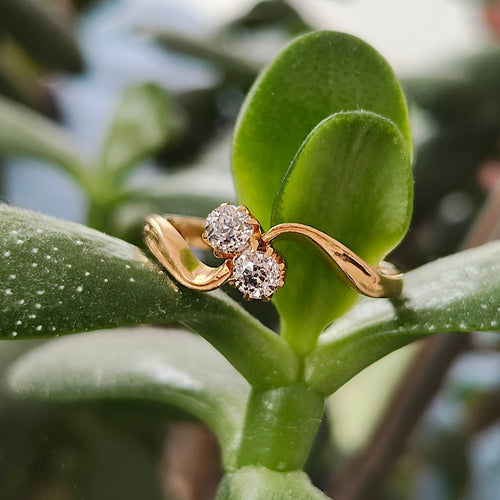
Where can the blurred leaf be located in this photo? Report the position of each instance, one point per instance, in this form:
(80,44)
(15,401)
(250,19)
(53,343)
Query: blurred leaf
(129,217)
(448,162)
(453,100)
(272,14)
(45,39)
(449,452)
(210,179)
(26,133)
(63,452)
(359,190)
(463,92)
(10,88)
(259,483)
(166,366)
(201,117)
(58,277)
(140,127)
(356,408)
(317,75)
(458,293)
(9,352)
(235,68)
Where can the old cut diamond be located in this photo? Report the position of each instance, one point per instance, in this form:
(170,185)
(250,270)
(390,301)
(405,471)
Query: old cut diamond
(256,275)
(228,229)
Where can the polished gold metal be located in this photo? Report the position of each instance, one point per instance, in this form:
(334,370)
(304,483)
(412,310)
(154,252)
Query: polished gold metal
(384,281)
(169,238)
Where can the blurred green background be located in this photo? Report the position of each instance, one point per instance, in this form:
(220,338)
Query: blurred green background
(86,66)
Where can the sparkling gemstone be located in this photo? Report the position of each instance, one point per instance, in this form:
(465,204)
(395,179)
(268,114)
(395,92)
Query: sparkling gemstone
(228,230)
(256,275)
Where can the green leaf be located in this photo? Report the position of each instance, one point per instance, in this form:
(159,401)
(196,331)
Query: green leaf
(259,483)
(46,40)
(26,133)
(317,75)
(359,191)
(166,366)
(57,277)
(60,277)
(140,127)
(10,352)
(458,293)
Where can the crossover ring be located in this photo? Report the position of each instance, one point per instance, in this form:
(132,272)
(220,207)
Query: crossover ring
(251,263)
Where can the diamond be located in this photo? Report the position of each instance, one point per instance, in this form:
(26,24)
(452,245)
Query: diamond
(256,275)
(228,230)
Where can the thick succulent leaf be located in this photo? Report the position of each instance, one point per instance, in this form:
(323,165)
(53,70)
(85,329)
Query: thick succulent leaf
(58,277)
(317,75)
(26,133)
(459,293)
(259,483)
(166,366)
(351,179)
(140,127)
(10,352)
(45,39)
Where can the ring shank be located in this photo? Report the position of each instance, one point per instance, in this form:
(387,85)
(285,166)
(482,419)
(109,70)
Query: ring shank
(383,281)
(169,238)
(191,229)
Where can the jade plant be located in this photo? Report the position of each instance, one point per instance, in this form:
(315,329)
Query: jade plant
(322,139)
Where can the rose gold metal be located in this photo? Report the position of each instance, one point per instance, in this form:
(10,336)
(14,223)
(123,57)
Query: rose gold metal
(169,240)
(384,281)
(170,237)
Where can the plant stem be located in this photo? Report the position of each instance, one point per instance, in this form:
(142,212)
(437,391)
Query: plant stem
(364,474)
(280,427)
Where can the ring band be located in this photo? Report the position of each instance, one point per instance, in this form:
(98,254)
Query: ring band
(251,264)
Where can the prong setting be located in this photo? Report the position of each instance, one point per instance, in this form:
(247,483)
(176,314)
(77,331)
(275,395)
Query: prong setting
(257,274)
(229,230)
(234,234)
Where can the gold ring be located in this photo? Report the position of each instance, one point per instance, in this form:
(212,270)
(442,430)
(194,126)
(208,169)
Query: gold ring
(251,263)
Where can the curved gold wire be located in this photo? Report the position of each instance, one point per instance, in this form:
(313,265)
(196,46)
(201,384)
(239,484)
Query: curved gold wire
(169,240)
(170,237)
(385,281)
